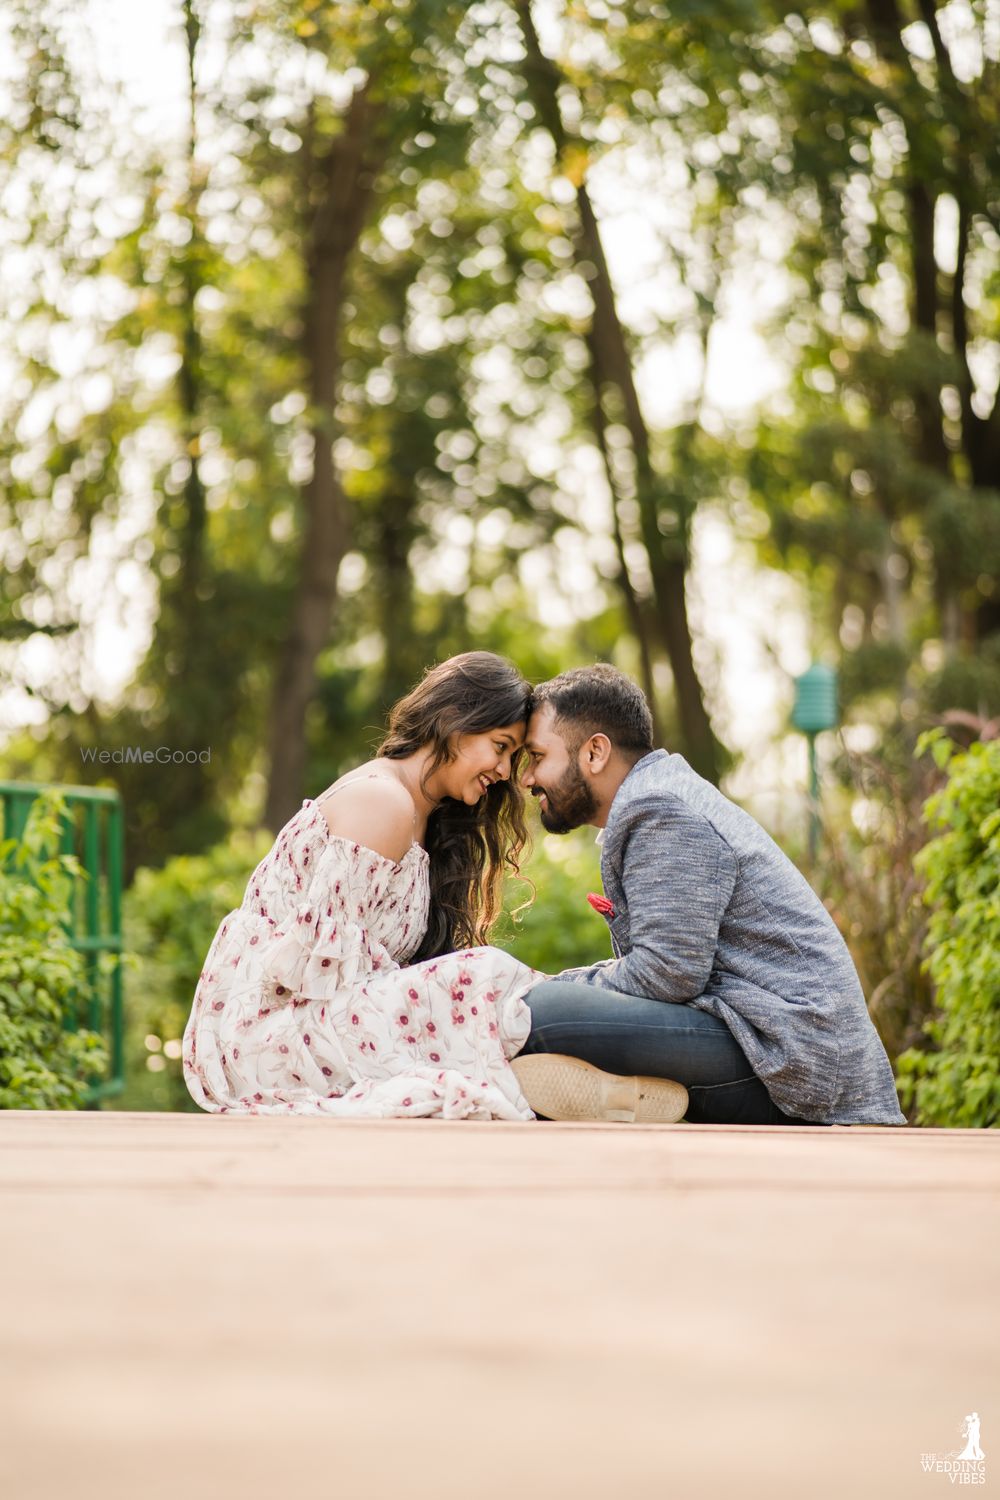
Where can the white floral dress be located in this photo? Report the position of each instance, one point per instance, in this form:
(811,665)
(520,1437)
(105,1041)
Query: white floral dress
(305,1004)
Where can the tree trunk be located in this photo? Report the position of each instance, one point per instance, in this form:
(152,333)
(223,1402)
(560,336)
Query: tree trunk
(189,376)
(612,368)
(887,25)
(633,604)
(190,719)
(924,311)
(980,435)
(395,533)
(348,172)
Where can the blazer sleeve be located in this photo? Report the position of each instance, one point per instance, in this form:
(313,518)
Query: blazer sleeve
(678,875)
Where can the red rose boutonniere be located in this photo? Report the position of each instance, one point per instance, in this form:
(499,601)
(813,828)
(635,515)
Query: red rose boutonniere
(601,904)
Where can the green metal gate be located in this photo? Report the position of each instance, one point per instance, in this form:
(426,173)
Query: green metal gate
(93,831)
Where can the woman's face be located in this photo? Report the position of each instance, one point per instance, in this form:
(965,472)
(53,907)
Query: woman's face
(480,760)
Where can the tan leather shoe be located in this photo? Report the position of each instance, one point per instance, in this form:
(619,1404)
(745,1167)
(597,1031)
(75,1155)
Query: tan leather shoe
(567,1088)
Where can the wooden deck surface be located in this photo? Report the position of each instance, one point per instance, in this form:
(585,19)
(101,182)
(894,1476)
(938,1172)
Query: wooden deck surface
(212,1307)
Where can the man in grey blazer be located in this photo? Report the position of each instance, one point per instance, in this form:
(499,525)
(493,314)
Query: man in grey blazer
(732,997)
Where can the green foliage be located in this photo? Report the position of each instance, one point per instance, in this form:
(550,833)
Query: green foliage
(957,1081)
(171,916)
(867,879)
(43,1065)
(877,468)
(559,929)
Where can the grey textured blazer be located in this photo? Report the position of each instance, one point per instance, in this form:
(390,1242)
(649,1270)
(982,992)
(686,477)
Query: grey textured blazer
(709,912)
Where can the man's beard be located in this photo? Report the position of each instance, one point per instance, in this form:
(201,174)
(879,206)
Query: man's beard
(571,802)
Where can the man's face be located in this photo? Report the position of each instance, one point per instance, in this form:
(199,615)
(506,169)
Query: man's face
(565,797)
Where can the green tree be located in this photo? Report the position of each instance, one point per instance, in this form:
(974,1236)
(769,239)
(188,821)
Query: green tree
(881,479)
(47,1059)
(664,511)
(170,479)
(956,1081)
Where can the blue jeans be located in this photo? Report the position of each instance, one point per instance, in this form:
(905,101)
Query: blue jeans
(660,1038)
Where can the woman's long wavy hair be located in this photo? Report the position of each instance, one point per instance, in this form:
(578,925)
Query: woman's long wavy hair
(471,848)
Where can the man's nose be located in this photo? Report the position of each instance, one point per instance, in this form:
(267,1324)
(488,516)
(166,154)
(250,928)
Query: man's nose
(528,776)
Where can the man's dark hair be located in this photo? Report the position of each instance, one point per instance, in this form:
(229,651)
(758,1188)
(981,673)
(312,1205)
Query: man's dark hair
(600,700)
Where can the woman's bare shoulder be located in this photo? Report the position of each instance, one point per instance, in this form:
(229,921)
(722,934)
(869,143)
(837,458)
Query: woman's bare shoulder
(373,809)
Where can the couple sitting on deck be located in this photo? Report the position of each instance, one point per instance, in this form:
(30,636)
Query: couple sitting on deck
(355,981)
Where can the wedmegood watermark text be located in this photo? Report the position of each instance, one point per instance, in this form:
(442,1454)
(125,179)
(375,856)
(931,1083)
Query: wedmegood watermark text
(133,755)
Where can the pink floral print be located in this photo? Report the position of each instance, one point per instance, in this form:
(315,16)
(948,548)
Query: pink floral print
(306,1003)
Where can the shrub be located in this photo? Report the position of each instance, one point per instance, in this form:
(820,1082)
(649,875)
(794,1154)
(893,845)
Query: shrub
(43,1065)
(867,877)
(558,930)
(957,1080)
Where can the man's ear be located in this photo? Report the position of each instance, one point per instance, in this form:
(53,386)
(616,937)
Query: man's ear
(596,753)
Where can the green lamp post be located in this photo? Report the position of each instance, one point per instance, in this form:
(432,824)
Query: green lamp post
(815,710)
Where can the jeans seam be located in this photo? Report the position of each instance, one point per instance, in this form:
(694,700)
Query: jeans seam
(623,1025)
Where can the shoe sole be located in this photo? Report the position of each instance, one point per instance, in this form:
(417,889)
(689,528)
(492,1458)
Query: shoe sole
(567,1088)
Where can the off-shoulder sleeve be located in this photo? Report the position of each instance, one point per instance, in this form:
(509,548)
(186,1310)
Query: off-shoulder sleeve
(325,943)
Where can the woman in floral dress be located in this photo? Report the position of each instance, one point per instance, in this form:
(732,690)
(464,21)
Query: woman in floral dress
(355,980)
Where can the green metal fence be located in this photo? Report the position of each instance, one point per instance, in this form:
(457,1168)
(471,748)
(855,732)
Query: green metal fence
(93,831)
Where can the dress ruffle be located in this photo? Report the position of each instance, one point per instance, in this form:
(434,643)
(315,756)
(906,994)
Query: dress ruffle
(318,959)
(318,950)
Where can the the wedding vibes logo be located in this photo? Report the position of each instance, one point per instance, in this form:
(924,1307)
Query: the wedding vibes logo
(965,1465)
